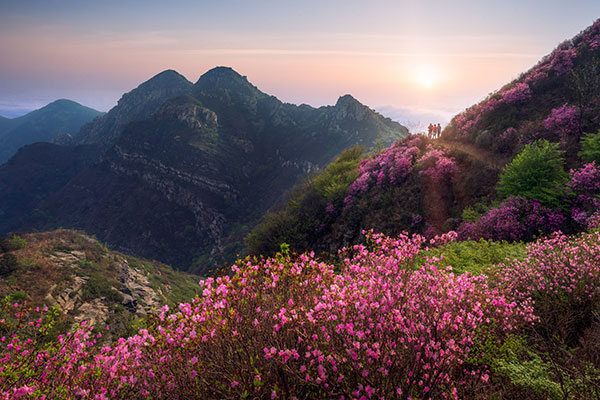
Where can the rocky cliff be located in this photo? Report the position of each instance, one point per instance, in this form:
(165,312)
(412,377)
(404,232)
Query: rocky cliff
(87,282)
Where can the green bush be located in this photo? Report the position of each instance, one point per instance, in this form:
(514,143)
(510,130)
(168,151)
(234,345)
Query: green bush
(17,242)
(535,173)
(98,286)
(590,147)
(477,257)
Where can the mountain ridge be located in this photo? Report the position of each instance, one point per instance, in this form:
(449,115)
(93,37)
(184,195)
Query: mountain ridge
(59,117)
(185,170)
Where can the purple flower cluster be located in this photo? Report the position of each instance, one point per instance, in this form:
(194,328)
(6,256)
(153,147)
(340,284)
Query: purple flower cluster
(518,93)
(392,166)
(436,164)
(562,121)
(517,218)
(584,192)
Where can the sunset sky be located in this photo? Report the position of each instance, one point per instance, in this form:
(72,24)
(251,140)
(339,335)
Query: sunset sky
(423,56)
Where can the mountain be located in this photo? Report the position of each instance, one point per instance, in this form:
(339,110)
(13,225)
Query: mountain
(86,281)
(133,106)
(431,186)
(44,125)
(185,181)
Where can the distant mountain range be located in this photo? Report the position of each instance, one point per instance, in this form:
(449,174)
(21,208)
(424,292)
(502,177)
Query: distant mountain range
(59,118)
(180,172)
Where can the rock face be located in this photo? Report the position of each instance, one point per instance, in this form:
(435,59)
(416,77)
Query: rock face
(87,282)
(185,183)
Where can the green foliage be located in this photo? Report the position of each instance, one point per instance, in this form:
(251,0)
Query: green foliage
(590,147)
(469,215)
(477,257)
(298,224)
(535,173)
(332,184)
(18,296)
(99,286)
(18,242)
(534,375)
(12,243)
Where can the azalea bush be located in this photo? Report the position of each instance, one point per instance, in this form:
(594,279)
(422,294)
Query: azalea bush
(436,165)
(390,167)
(562,275)
(583,191)
(291,327)
(515,219)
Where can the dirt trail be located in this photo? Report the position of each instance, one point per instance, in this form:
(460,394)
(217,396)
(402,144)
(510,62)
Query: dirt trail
(488,158)
(435,208)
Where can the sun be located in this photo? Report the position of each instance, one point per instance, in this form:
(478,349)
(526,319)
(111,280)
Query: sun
(426,76)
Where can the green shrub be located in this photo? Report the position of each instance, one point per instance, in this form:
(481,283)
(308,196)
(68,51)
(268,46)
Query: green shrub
(17,242)
(535,173)
(590,147)
(478,257)
(534,375)
(98,286)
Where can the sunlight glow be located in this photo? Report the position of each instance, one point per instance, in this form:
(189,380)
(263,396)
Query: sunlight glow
(426,76)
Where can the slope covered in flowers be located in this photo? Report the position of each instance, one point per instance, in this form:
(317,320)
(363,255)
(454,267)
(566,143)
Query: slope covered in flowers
(557,100)
(390,321)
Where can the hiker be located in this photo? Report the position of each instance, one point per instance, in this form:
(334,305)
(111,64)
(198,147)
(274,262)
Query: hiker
(429,130)
(439,130)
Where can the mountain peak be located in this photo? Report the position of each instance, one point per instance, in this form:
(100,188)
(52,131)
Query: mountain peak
(347,100)
(226,78)
(166,79)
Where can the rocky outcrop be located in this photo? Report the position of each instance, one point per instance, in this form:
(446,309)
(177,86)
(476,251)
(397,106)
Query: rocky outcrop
(192,115)
(87,282)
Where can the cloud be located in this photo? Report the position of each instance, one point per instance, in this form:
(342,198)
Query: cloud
(417,119)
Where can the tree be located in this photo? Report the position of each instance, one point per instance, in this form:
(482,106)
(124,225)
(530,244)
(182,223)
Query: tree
(590,147)
(535,173)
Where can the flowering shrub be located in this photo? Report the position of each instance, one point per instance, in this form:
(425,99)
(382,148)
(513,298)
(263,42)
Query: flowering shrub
(562,276)
(518,93)
(584,192)
(291,328)
(389,167)
(436,165)
(563,120)
(516,218)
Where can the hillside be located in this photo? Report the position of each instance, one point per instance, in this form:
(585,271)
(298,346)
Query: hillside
(431,186)
(86,281)
(61,117)
(183,182)
(557,100)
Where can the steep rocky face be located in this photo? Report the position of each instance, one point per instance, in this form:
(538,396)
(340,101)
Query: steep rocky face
(87,282)
(185,184)
(59,118)
(136,105)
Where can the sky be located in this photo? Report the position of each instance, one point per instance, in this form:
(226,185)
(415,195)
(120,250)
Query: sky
(405,58)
